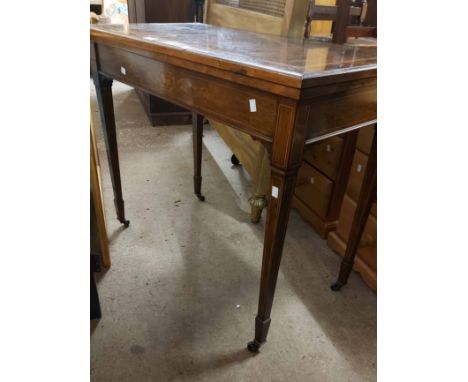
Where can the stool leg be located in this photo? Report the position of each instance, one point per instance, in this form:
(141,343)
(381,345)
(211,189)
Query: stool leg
(364,205)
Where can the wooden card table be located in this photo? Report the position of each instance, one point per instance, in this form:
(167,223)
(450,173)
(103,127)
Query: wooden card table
(284,92)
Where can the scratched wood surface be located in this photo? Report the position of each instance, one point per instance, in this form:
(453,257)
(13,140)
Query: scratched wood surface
(292,62)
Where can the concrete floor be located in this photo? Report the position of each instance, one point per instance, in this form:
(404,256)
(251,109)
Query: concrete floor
(180,299)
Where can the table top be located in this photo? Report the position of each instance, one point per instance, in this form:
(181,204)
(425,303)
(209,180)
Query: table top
(292,62)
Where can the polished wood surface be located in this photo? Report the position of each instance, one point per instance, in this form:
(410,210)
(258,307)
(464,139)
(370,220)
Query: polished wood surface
(291,62)
(299,96)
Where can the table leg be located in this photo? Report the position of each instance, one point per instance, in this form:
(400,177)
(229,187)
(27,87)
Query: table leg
(364,205)
(286,157)
(197,128)
(275,232)
(106,107)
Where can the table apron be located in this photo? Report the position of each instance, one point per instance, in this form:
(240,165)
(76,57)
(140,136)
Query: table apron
(242,107)
(215,98)
(338,113)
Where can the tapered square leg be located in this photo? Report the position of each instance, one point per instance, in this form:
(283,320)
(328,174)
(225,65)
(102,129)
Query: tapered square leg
(197,129)
(275,232)
(364,205)
(106,107)
(286,158)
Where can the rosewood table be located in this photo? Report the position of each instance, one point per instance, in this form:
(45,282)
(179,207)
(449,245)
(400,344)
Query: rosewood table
(284,92)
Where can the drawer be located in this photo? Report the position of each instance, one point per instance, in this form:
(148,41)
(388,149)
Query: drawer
(314,189)
(325,156)
(356,175)
(217,99)
(345,220)
(364,140)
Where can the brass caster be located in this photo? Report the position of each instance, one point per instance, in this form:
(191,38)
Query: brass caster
(257,203)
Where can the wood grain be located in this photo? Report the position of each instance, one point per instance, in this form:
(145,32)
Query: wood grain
(96,192)
(325,156)
(276,59)
(195,91)
(314,189)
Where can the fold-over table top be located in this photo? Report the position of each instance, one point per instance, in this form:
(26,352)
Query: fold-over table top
(291,62)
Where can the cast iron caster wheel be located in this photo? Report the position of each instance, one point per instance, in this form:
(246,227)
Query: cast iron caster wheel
(336,286)
(234,160)
(253,346)
(125,223)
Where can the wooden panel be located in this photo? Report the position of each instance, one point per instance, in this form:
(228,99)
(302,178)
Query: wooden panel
(321,226)
(364,141)
(286,20)
(345,220)
(365,262)
(360,31)
(237,18)
(288,144)
(283,135)
(322,28)
(174,11)
(267,7)
(356,175)
(325,156)
(251,149)
(97,199)
(369,256)
(161,11)
(294,20)
(314,189)
(367,272)
(136,11)
(343,109)
(369,236)
(193,90)
(371,17)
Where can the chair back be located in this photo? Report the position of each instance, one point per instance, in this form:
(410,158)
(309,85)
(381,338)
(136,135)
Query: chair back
(278,17)
(348,17)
